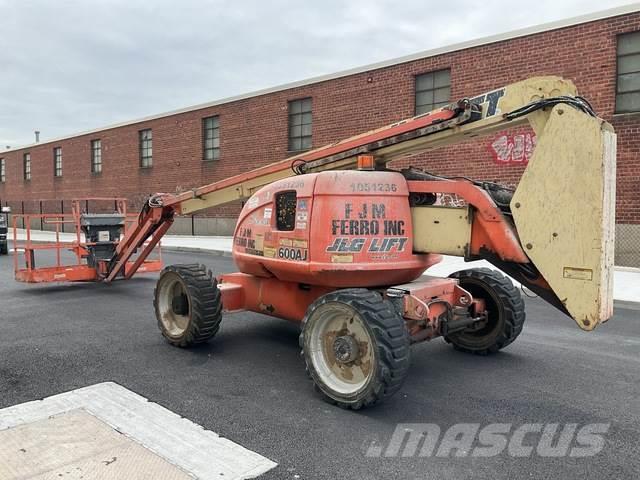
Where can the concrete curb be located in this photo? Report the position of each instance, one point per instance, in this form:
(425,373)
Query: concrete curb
(216,253)
(171,248)
(626,304)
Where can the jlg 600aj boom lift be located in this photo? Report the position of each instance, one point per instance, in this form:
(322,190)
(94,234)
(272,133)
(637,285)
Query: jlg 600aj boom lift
(341,246)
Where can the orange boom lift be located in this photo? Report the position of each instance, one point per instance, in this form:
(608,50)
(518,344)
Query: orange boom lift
(335,241)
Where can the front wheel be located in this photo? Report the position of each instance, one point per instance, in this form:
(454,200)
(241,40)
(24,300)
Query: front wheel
(188,304)
(4,249)
(355,346)
(505,312)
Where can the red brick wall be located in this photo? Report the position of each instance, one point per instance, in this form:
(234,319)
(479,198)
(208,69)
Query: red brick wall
(254,131)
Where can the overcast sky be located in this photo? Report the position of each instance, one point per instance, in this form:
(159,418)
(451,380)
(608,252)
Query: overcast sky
(69,66)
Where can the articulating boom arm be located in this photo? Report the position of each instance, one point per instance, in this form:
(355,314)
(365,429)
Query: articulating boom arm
(563,209)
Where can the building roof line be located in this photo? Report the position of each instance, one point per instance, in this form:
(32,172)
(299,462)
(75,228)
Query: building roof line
(513,34)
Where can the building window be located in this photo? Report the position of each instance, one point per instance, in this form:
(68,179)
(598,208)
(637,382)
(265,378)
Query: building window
(3,171)
(628,81)
(26,166)
(57,162)
(433,90)
(300,125)
(211,138)
(96,156)
(146,148)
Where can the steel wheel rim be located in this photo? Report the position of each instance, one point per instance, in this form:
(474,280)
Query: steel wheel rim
(174,323)
(339,326)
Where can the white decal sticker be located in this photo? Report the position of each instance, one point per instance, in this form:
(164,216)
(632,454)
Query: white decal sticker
(253,202)
(255,220)
(267,213)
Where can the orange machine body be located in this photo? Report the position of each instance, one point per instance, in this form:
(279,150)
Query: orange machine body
(337,228)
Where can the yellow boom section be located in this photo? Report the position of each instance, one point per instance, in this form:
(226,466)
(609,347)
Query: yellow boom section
(564,211)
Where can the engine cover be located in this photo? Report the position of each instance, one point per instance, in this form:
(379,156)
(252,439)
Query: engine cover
(334,228)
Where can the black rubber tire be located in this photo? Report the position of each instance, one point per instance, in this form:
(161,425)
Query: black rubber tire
(388,330)
(204,304)
(505,307)
(4,249)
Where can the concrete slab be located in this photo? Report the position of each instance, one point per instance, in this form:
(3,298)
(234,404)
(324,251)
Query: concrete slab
(79,433)
(77,445)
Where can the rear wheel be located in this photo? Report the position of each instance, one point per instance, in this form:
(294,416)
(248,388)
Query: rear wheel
(188,304)
(4,249)
(505,312)
(355,346)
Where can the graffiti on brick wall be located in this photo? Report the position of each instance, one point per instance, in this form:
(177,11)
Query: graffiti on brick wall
(510,148)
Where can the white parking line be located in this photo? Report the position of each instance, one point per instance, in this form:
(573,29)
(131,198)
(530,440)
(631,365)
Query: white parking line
(178,442)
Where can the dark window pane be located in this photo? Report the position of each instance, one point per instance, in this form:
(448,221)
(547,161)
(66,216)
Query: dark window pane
(295,107)
(629,43)
(27,166)
(629,64)
(420,109)
(628,102)
(211,122)
(424,82)
(424,98)
(441,95)
(211,137)
(96,156)
(295,144)
(628,82)
(441,79)
(146,150)
(300,120)
(432,90)
(57,162)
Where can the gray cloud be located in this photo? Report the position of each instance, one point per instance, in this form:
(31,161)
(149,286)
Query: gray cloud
(73,65)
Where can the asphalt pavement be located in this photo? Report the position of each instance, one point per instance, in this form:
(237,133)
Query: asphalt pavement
(249,383)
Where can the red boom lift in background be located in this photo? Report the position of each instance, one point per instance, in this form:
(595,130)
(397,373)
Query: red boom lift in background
(97,236)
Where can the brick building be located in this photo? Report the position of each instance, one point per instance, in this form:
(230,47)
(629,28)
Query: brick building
(179,150)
